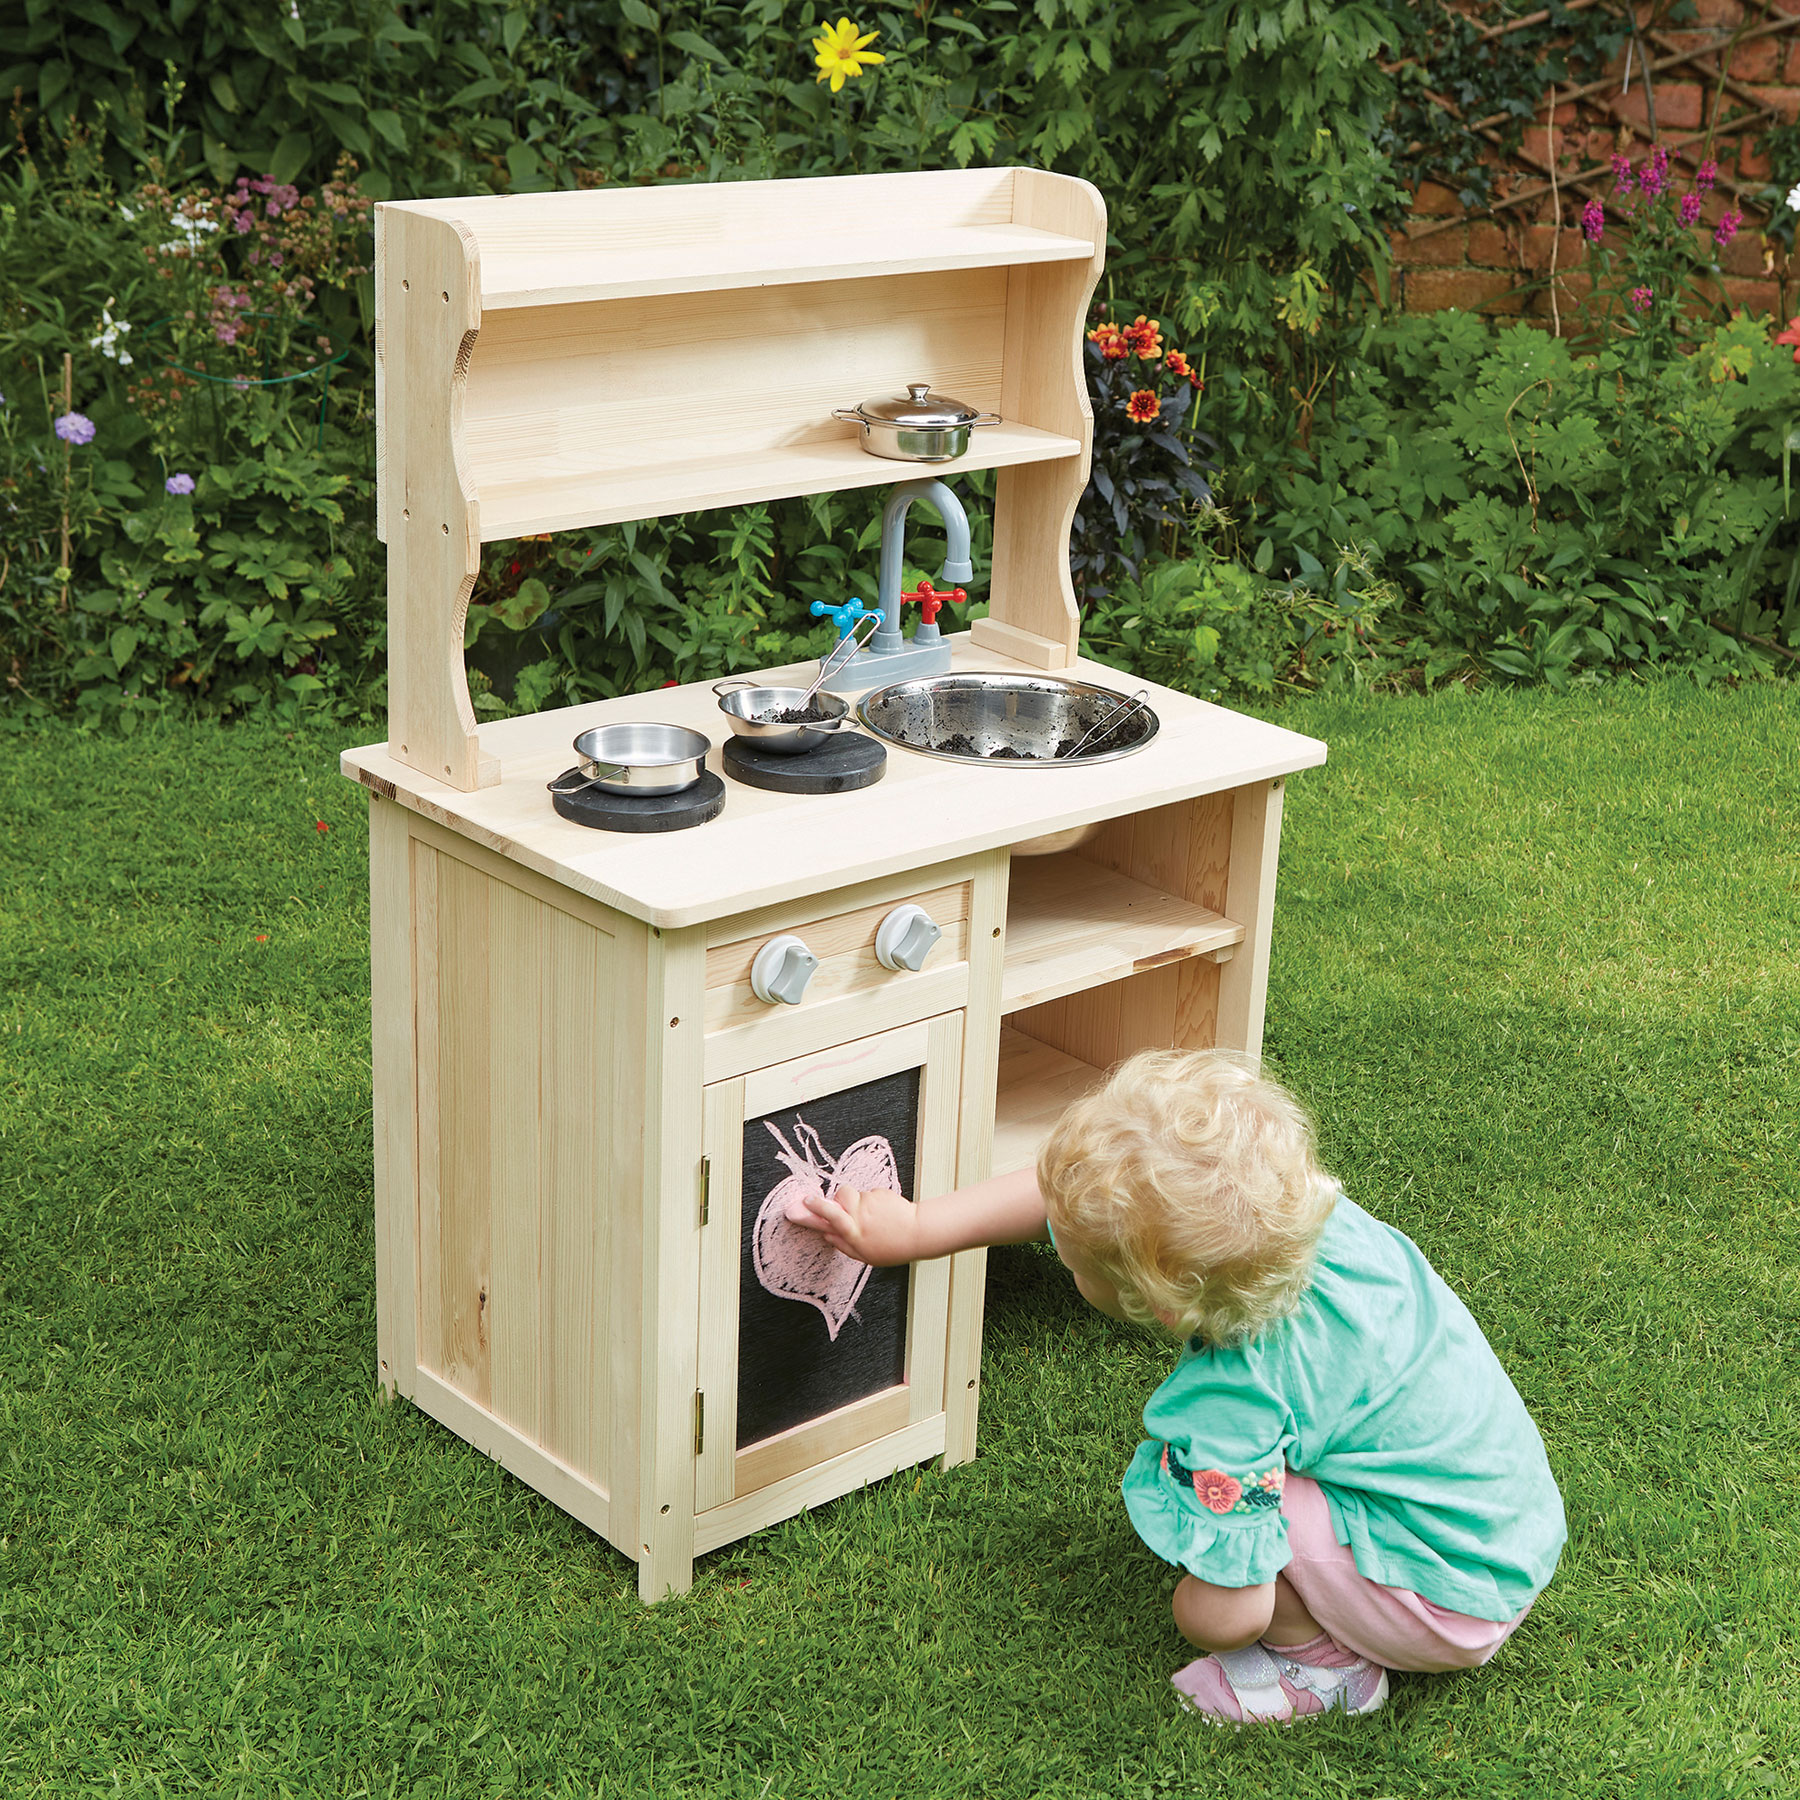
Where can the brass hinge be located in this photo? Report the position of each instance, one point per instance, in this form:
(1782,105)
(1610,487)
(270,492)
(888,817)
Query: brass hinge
(699,1421)
(705,1188)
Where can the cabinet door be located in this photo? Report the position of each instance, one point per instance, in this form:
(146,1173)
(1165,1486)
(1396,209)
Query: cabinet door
(806,1354)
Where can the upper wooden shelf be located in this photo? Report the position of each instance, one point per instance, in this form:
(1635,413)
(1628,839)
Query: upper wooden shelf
(1071,924)
(540,279)
(651,489)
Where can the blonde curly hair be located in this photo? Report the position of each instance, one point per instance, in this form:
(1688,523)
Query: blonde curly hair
(1189,1182)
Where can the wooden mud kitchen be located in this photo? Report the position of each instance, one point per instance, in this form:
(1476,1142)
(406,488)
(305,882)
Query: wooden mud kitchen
(613,1026)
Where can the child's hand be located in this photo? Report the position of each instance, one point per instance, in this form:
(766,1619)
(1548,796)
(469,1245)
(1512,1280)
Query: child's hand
(876,1226)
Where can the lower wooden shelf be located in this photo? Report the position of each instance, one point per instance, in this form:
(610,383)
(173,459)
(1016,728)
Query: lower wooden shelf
(1036,1083)
(1071,924)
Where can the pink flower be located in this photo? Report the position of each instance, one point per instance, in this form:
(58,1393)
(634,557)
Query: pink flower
(1642,298)
(1218,1492)
(1272,1480)
(1726,229)
(1709,173)
(1593,221)
(1689,209)
(1621,168)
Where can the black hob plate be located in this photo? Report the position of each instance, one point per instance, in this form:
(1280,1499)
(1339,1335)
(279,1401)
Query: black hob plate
(848,761)
(642,812)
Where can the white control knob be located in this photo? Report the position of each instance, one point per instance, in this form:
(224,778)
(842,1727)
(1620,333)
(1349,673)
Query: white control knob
(906,938)
(782,968)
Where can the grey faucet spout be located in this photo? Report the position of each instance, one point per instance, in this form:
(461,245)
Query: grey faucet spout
(957,566)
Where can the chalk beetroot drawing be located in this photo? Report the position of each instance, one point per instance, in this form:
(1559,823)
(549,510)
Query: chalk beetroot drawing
(794,1263)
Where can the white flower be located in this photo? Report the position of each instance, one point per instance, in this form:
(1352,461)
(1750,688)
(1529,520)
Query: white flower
(1794,198)
(192,226)
(107,343)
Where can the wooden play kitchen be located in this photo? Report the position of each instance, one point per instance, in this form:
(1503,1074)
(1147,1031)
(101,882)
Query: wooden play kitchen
(602,1057)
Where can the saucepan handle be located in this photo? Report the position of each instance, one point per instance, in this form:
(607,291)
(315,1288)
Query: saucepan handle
(735,681)
(582,781)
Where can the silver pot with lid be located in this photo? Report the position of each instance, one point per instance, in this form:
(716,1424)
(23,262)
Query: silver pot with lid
(917,426)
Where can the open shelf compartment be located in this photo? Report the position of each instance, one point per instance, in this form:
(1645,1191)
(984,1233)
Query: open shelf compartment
(1072,924)
(1036,1083)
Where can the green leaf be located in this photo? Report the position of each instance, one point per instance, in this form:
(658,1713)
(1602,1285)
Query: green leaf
(124,640)
(639,14)
(524,166)
(387,122)
(292,152)
(222,90)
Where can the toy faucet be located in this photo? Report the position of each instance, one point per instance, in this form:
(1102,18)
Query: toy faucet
(930,600)
(889,657)
(845,617)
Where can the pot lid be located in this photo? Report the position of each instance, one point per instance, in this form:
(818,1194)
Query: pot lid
(919,409)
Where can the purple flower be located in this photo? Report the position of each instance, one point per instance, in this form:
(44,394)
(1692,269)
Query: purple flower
(1621,168)
(1593,221)
(179,484)
(226,334)
(1709,173)
(1689,209)
(1656,173)
(1641,298)
(1726,229)
(75,428)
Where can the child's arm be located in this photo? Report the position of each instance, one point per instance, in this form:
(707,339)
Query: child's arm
(880,1227)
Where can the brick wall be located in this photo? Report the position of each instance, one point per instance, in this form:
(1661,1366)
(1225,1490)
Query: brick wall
(1500,259)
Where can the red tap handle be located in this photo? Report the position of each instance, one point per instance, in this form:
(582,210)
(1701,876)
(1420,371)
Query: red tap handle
(930,599)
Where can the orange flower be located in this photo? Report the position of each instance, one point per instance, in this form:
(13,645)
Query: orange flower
(1110,339)
(1145,337)
(1790,334)
(1144,406)
(1177,364)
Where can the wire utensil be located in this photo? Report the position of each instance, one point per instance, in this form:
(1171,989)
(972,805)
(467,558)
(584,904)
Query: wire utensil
(1126,707)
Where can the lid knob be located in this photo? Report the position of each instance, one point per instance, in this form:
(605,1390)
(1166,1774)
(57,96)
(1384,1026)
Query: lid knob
(918,392)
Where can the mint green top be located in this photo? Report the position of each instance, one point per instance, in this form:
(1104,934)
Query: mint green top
(1382,1389)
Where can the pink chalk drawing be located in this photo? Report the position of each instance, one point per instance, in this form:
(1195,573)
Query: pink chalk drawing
(794,1263)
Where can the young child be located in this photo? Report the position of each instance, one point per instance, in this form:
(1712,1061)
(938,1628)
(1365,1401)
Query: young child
(1338,1461)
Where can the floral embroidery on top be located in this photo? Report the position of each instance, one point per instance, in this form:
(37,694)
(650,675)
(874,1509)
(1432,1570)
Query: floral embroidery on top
(1220,1493)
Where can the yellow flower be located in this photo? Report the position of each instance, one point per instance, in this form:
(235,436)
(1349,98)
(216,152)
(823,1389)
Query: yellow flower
(841,52)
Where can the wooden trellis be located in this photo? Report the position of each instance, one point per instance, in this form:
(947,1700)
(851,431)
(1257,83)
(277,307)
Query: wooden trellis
(1562,157)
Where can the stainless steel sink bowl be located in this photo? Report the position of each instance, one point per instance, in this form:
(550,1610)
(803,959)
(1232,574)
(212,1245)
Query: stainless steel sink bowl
(966,718)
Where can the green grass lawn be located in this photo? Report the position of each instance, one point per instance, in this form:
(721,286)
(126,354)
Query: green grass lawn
(1535,968)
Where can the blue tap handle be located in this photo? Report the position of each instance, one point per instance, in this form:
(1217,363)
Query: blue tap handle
(845,617)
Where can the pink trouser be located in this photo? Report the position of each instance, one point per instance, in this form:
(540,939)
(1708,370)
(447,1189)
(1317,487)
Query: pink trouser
(1390,1626)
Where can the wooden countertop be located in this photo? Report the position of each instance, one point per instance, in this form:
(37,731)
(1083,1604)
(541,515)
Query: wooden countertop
(767,847)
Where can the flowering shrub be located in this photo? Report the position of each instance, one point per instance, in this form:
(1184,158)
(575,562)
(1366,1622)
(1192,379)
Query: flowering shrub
(172,478)
(1146,474)
(1649,248)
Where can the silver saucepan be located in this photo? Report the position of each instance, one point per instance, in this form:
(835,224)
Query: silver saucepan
(751,710)
(635,757)
(917,426)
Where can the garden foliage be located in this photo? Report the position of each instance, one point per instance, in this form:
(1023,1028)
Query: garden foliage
(183,255)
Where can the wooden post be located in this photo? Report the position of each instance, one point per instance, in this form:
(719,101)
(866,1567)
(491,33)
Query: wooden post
(1250,900)
(1032,613)
(428,278)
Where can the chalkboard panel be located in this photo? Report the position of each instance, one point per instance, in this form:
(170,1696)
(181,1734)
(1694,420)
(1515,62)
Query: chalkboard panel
(800,1357)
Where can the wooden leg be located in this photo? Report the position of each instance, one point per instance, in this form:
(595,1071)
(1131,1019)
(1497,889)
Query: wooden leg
(975,1150)
(1250,900)
(666,1306)
(393,1045)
